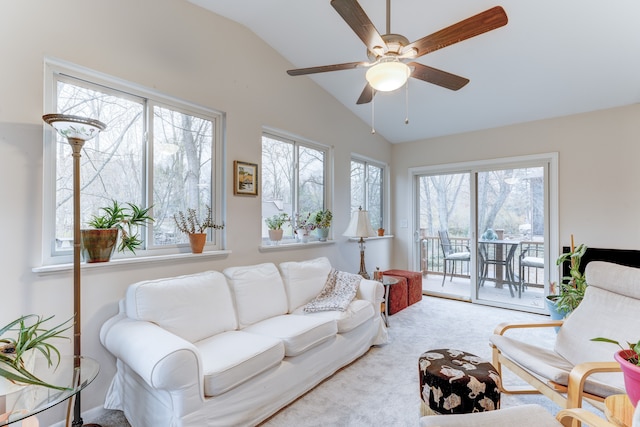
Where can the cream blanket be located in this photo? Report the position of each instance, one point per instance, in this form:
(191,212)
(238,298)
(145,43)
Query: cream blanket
(337,294)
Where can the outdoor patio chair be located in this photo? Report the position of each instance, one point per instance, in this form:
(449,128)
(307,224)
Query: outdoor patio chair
(452,253)
(576,368)
(531,256)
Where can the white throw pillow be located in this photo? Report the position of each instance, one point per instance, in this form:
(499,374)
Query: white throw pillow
(258,291)
(194,306)
(304,280)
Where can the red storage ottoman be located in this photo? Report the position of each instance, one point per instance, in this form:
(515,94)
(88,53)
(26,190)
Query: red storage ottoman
(414,284)
(397,295)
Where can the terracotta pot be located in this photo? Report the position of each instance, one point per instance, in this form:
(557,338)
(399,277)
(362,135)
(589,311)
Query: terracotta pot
(275,235)
(98,244)
(380,231)
(631,374)
(197,242)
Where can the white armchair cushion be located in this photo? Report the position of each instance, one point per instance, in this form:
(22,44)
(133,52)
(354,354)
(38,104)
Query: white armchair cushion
(258,291)
(233,357)
(304,280)
(298,333)
(193,307)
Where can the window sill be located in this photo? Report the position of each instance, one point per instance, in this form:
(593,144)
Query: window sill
(115,263)
(294,246)
(366,239)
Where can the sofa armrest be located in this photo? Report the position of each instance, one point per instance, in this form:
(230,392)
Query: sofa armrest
(371,290)
(163,360)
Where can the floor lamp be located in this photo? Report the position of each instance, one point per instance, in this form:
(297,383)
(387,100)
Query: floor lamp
(360,226)
(77,130)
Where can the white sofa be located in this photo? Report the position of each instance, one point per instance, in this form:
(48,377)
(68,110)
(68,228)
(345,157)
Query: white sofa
(232,348)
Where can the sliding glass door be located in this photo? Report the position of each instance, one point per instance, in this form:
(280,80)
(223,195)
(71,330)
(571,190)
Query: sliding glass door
(483,234)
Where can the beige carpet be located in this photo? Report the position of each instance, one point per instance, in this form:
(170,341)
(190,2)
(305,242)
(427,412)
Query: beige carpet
(381,388)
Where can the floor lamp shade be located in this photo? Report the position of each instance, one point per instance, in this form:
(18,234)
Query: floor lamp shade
(77,130)
(360,226)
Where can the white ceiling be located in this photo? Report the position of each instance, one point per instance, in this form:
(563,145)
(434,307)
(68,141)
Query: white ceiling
(553,58)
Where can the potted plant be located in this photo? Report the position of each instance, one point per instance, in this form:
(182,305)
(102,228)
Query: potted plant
(322,221)
(274,224)
(630,365)
(572,287)
(17,352)
(303,225)
(99,242)
(196,228)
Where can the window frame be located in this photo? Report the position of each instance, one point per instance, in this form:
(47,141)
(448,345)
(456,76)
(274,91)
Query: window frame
(298,141)
(56,70)
(384,187)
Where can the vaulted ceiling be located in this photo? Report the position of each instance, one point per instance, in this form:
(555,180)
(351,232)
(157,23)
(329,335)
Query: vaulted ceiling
(553,58)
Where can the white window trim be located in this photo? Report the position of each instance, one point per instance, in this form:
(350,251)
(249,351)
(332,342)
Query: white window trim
(54,66)
(386,187)
(328,186)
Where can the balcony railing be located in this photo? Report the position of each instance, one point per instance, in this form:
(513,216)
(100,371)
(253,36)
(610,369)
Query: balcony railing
(432,260)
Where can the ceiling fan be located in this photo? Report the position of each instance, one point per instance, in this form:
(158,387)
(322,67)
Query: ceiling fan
(390,54)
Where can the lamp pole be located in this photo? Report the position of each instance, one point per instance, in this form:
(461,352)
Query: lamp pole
(77,130)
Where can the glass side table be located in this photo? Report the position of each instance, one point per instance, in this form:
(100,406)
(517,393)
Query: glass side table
(31,400)
(387,281)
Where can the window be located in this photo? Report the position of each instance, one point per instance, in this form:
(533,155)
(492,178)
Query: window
(294,178)
(155,151)
(367,189)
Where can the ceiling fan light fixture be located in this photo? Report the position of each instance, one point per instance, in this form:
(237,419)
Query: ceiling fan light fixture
(388,76)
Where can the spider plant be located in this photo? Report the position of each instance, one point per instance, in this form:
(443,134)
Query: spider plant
(28,333)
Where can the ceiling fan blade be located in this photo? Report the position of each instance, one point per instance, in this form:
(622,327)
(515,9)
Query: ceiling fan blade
(326,68)
(437,77)
(481,23)
(367,95)
(357,19)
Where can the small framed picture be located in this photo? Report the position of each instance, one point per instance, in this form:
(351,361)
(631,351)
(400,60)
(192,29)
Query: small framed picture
(245,178)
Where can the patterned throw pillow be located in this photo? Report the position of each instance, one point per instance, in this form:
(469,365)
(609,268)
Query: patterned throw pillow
(337,294)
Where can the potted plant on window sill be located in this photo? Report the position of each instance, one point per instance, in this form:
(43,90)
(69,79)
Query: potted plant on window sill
(303,226)
(274,224)
(322,221)
(630,365)
(98,242)
(196,228)
(18,351)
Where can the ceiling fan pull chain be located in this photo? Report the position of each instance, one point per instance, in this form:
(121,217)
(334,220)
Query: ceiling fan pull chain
(406,102)
(373,112)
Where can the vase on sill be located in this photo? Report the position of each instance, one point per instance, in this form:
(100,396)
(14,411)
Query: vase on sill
(303,235)
(197,242)
(323,234)
(276,235)
(97,245)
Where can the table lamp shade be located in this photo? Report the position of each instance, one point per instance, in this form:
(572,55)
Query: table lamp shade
(360,226)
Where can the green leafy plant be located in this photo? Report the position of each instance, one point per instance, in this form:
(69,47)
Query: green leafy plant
(322,218)
(29,334)
(572,287)
(275,222)
(127,218)
(191,224)
(635,348)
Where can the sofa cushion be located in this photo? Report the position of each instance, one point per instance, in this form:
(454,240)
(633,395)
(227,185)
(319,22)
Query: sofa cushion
(358,312)
(298,333)
(258,291)
(194,306)
(304,280)
(231,358)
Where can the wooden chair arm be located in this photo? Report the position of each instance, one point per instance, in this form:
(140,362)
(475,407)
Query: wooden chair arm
(578,376)
(569,417)
(503,327)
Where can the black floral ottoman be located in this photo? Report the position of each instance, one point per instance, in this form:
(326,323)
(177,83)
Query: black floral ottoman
(457,382)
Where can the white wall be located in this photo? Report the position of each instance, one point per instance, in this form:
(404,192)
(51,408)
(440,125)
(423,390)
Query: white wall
(599,177)
(182,51)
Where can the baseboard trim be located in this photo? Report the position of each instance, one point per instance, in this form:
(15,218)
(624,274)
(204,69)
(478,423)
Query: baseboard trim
(91,414)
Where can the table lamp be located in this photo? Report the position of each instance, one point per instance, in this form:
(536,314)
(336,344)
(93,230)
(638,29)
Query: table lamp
(360,226)
(77,130)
